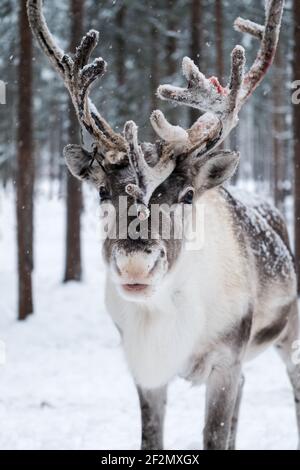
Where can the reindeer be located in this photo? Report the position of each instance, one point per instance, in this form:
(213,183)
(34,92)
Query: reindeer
(195,314)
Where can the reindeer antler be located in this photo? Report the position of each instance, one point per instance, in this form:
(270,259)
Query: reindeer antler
(78,76)
(147,177)
(268,36)
(221,105)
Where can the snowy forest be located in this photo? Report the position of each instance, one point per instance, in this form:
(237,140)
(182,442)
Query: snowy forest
(61,370)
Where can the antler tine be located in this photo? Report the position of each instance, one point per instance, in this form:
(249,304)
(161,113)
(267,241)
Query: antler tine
(238,61)
(78,76)
(249,27)
(268,35)
(147,177)
(200,93)
(86,74)
(85,49)
(166,131)
(208,95)
(218,104)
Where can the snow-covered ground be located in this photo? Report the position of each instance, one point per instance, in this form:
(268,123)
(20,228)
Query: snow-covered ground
(65,384)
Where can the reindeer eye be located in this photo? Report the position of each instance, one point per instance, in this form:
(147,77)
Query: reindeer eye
(188,197)
(104,193)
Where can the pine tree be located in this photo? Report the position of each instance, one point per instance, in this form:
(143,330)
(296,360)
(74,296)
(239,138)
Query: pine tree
(296,67)
(25,168)
(73,268)
(195,42)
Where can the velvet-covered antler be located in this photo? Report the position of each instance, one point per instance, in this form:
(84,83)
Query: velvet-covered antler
(220,105)
(78,75)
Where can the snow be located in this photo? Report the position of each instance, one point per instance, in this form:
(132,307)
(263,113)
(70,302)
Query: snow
(65,384)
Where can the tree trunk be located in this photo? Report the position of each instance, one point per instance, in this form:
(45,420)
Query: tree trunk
(120,63)
(195,43)
(170,50)
(154,81)
(278,129)
(154,70)
(25,168)
(121,45)
(171,43)
(219,35)
(219,40)
(296,68)
(74,193)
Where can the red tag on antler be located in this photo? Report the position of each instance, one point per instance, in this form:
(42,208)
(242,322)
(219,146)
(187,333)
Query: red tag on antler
(215,82)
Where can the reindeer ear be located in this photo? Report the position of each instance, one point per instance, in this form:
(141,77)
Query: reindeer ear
(81,166)
(218,168)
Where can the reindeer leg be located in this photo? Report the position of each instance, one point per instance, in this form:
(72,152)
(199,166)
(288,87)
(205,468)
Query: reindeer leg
(291,358)
(235,417)
(153,404)
(221,397)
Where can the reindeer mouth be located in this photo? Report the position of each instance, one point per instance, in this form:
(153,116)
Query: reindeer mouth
(132,288)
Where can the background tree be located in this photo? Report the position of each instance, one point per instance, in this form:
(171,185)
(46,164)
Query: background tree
(120,58)
(219,40)
(220,72)
(296,73)
(154,66)
(171,40)
(195,43)
(278,132)
(25,168)
(73,268)
(171,48)
(120,48)
(9,53)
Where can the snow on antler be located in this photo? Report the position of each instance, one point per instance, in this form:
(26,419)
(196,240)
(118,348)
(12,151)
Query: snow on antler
(78,76)
(268,36)
(221,105)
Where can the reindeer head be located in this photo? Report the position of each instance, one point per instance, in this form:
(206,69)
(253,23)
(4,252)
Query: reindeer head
(177,169)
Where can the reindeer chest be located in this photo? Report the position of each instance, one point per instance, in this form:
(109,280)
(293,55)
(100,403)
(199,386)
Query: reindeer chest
(159,342)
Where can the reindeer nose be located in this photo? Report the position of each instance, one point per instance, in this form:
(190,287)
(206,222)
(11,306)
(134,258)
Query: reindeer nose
(137,266)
